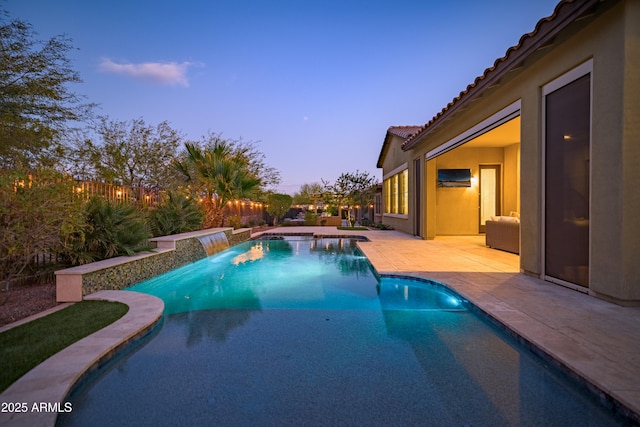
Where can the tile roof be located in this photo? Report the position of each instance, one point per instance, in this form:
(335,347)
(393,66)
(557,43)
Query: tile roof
(566,12)
(403,132)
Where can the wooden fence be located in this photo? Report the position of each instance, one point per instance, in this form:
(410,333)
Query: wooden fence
(143,196)
(247,211)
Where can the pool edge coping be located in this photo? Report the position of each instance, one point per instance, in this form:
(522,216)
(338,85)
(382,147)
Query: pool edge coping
(52,380)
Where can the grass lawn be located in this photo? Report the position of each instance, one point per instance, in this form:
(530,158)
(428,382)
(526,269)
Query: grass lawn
(353,228)
(24,347)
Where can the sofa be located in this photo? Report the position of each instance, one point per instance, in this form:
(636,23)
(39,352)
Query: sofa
(503,232)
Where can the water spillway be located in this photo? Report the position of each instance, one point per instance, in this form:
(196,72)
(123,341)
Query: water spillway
(214,243)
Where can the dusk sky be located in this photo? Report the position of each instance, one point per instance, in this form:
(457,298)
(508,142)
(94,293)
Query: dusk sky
(315,84)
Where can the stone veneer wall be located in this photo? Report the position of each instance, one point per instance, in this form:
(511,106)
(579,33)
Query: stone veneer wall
(129,273)
(238,236)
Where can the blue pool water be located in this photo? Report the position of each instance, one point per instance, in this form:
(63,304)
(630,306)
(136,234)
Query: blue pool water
(300,331)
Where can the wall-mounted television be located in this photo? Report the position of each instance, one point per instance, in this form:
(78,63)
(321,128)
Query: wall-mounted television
(454,177)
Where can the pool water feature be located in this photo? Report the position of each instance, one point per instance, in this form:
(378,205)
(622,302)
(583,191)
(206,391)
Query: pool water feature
(214,243)
(284,332)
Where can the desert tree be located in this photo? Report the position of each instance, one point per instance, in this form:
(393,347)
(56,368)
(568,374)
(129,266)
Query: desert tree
(131,153)
(278,205)
(309,194)
(38,109)
(352,190)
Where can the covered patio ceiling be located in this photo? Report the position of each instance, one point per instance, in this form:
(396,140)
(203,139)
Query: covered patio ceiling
(501,136)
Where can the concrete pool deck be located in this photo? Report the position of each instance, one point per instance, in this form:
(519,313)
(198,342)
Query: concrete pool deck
(595,339)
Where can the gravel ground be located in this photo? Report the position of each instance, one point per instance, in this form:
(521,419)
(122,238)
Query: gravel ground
(23,301)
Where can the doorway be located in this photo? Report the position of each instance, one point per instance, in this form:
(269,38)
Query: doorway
(489,193)
(493,143)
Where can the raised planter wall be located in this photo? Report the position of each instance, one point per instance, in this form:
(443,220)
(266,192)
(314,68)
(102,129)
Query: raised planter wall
(118,273)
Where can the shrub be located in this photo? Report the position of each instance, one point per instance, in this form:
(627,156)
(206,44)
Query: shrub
(111,229)
(38,214)
(234,221)
(310,218)
(176,214)
(382,226)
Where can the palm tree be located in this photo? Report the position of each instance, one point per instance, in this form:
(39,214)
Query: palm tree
(219,175)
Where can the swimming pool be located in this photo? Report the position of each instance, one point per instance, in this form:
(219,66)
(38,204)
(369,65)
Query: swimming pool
(284,332)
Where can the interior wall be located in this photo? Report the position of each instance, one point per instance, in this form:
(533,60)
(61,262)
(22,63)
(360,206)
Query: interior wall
(457,211)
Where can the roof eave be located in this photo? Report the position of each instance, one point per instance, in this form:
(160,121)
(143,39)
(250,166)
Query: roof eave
(544,33)
(383,150)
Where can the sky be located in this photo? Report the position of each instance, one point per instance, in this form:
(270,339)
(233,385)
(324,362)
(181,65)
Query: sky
(315,84)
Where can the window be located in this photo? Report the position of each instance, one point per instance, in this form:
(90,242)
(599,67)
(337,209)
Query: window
(396,193)
(404,192)
(387,195)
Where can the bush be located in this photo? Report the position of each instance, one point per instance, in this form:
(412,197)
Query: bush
(234,221)
(111,229)
(176,214)
(310,218)
(381,226)
(38,214)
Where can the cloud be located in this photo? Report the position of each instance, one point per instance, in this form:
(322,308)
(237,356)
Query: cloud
(168,73)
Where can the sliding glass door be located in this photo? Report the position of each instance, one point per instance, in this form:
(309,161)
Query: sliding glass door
(567,182)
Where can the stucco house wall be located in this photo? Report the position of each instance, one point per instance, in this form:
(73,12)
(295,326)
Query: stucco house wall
(395,159)
(610,39)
